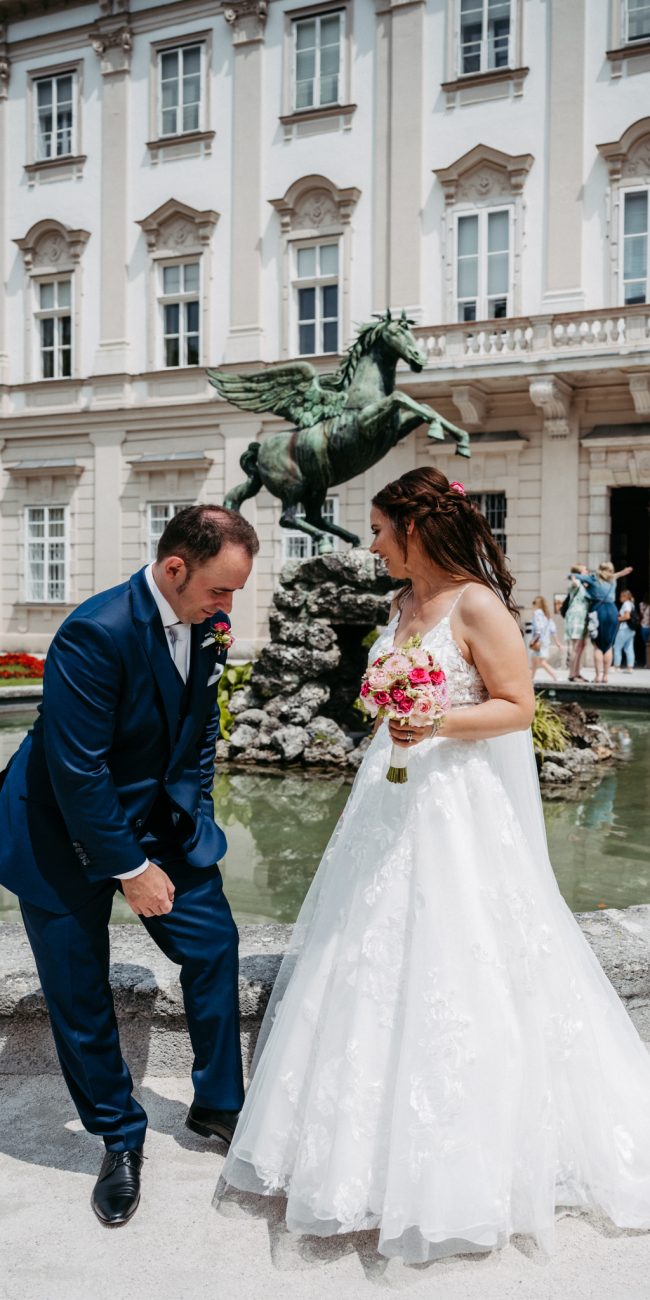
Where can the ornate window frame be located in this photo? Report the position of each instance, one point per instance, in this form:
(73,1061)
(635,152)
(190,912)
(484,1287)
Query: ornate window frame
(628,163)
(69,165)
(314,208)
(472,87)
(176,232)
(51,251)
(483,178)
(305,121)
(187,144)
(621,48)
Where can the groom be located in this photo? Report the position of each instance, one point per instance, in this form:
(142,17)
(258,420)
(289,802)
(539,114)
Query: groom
(113,789)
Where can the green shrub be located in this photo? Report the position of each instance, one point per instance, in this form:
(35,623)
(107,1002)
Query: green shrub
(235,676)
(549,731)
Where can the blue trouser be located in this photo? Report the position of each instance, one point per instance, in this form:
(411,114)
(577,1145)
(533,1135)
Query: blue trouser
(624,645)
(72,959)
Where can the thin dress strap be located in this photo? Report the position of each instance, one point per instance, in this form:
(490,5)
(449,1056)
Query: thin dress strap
(455,602)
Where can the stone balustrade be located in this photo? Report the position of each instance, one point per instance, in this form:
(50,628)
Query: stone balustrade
(569,336)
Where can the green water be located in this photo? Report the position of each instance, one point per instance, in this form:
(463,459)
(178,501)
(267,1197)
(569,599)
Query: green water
(278,826)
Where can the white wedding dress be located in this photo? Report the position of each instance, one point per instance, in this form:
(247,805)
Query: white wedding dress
(443,1058)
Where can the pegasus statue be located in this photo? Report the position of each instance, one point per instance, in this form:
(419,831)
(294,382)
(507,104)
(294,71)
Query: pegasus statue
(344,422)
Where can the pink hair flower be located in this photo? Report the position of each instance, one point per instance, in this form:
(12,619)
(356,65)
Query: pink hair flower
(458,487)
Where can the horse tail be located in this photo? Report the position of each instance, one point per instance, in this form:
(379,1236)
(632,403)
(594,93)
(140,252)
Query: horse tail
(248,461)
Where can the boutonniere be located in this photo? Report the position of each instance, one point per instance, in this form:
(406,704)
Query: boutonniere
(219,636)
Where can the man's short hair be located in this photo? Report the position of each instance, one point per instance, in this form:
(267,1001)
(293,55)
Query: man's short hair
(197,533)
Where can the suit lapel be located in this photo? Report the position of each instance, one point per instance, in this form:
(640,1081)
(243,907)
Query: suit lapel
(152,634)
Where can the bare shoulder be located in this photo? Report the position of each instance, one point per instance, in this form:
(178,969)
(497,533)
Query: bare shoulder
(480,605)
(481,610)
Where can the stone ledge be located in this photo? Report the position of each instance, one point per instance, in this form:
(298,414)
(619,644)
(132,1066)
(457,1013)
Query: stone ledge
(150,1006)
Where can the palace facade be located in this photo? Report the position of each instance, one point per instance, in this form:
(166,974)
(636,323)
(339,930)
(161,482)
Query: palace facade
(192,183)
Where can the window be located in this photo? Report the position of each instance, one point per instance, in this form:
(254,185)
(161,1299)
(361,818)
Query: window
(180,90)
(484,35)
(299,546)
(54,117)
(635,246)
(637,20)
(180,302)
(483,265)
(493,506)
(159,514)
(54,316)
(47,546)
(317,298)
(317,66)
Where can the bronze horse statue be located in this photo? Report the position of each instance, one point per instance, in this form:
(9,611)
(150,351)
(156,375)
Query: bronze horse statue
(344,422)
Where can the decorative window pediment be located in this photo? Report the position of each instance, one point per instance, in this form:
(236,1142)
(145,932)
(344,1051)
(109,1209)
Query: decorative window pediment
(629,157)
(315,204)
(50,247)
(484,174)
(175,229)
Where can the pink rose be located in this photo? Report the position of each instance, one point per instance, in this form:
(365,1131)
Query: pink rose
(221,627)
(437,676)
(420,658)
(382,699)
(405,705)
(397,665)
(365,690)
(418,675)
(423,707)
(397,696)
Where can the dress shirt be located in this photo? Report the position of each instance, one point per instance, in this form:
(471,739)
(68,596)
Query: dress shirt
(179,641)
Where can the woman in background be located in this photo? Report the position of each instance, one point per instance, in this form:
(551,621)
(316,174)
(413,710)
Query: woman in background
(627,626)
(543,632)
(601,590)
(575,621)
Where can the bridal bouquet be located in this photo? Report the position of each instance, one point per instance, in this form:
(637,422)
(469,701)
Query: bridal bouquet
(405,684)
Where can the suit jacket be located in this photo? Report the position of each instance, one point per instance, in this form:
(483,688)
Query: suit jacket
(118,733)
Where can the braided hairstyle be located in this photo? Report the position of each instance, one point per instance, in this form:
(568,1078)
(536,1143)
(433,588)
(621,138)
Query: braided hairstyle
(450,528)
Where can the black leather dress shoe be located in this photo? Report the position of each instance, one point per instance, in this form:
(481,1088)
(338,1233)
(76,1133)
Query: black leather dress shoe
(212,1123)
(116,1195)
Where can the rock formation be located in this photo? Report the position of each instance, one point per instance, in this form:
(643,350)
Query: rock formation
(297,709)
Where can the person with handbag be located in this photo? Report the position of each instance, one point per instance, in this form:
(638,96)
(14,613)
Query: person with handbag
(543,632)
(628,624)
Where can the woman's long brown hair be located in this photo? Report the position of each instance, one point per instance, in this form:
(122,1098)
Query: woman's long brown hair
(451,529)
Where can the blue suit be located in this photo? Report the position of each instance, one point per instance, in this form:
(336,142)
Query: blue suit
(119,767)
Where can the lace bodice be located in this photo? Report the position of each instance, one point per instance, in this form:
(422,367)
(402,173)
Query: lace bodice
(464,682)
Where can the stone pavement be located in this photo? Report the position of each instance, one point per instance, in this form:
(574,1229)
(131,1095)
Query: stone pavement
(178,1247)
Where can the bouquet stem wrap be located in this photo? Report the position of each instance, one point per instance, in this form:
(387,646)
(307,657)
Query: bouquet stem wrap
(397,772)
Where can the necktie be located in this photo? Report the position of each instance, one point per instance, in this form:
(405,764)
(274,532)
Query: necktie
(179,635)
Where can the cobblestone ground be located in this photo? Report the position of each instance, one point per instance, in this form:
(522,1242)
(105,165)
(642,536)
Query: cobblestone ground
(179,1248)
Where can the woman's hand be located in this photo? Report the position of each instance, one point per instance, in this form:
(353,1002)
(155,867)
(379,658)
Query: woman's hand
(405,734)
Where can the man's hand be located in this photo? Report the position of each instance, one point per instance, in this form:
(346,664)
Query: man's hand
(151,893)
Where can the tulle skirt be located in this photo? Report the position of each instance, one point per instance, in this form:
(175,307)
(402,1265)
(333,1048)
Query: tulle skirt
(444,1059)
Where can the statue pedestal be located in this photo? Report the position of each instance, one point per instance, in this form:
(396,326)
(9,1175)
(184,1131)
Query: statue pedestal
(297,709)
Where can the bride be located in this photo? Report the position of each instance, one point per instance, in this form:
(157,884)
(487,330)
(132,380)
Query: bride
(443,1058)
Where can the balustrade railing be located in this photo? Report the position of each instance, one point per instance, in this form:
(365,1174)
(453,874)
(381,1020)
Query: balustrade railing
(533,338)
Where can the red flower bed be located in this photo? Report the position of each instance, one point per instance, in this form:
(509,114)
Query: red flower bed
(18,665)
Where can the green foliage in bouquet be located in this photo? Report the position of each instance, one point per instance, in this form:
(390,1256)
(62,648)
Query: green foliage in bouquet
(549,731)
(235,676)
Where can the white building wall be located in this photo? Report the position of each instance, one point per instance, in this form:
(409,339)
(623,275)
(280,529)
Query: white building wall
(559,367)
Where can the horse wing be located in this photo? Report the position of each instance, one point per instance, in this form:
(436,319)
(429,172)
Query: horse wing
(292,391)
